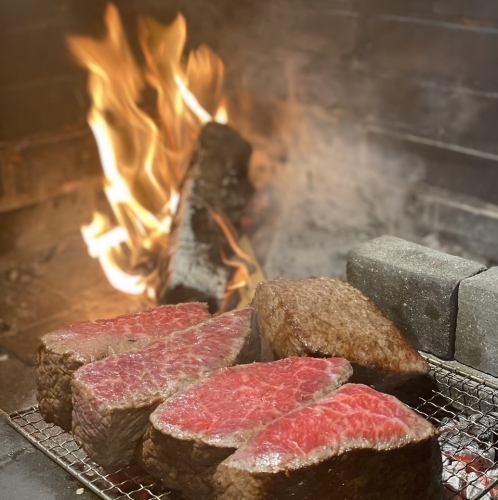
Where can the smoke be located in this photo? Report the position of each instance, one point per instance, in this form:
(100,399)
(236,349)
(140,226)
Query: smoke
(338,189)
(329,185)
(304,94)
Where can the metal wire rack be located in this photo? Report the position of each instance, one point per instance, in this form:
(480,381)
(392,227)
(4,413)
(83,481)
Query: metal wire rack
(464,406)
(127,483)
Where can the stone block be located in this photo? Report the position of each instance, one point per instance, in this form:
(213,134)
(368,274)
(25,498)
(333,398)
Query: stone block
(477,322)
(414,286)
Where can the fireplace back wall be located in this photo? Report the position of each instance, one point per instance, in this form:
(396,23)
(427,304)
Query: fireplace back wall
(393,110)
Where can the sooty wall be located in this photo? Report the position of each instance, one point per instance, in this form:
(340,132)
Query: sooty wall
(375,115)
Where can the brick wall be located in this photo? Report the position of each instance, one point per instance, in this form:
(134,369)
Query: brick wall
(422,69)
(417,79)
(45,144)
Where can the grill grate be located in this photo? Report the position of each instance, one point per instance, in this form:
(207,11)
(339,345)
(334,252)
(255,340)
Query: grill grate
(127,483)
(462,405)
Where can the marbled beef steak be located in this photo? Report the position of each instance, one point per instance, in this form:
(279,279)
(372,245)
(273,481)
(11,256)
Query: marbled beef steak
(357,444)
(328,317)
(192,433)
(113,398)
(65,350)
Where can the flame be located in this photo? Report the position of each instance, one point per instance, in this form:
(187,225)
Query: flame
(191,101)
(143,163)
(247,272)
(104,244)
(221,115)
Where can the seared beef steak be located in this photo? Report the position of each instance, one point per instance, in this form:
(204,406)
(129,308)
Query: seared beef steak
(328,317)
(193,432)
(113,398)
(357,444)
(64,351)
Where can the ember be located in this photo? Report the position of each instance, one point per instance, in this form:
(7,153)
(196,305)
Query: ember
(469,449)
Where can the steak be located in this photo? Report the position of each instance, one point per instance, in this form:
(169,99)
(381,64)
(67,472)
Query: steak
(328,317)
(192,433)
(357,444)
(113,398)
(65,350)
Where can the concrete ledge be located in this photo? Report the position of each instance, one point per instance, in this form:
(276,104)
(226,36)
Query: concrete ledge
(414,286)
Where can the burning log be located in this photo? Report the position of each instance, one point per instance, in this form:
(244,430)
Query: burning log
(218,182)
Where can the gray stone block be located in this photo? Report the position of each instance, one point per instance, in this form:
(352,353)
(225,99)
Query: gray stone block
(477,322)
(414,286)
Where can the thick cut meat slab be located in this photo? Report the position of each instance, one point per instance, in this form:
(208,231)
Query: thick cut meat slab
(328,317)
(113,398)
(65,350)
(357,444)
(193,432)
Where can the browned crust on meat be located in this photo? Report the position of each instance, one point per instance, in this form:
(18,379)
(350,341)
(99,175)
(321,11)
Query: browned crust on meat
(184,465)
(53,383)
(328,317)
(251,349)
(412,472)
(108,436)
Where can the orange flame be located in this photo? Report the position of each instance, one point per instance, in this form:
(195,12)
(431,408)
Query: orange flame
(143,164)
(221,115)
(247,273)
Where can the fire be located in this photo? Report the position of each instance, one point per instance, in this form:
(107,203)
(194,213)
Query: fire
(247,272)
(104,243)
(144,163)
(222,113)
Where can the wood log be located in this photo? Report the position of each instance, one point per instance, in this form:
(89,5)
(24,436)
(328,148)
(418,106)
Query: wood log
(217,180)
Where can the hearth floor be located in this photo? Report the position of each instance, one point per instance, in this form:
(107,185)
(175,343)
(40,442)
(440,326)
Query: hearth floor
(47,280)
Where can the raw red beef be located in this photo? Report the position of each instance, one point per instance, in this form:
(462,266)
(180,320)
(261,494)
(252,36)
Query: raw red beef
(193,432)
(65,350)
(113,398)
(356,444)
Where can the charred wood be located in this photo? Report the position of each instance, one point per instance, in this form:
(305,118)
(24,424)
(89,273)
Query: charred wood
(217,181)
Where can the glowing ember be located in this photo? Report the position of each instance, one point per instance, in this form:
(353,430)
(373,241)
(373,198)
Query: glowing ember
(143,163)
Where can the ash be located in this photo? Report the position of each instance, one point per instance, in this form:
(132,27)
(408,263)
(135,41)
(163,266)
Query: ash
(469,446)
